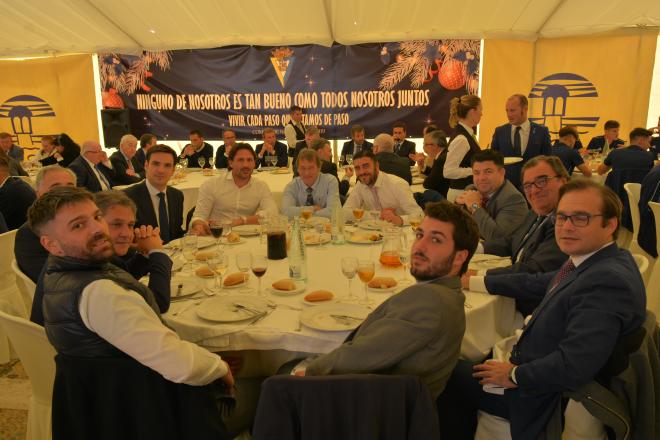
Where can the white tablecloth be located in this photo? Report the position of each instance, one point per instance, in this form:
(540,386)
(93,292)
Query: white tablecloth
(489,318)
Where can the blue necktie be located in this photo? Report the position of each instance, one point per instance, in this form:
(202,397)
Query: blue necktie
(310,199)
(162,218)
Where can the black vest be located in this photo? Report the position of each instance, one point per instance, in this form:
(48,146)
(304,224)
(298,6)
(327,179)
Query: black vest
(300,134)
(467,159)
(64,281)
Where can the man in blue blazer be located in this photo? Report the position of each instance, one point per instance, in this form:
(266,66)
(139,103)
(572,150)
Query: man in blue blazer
(520,137)
(93,169)
(357,143)
(595,299)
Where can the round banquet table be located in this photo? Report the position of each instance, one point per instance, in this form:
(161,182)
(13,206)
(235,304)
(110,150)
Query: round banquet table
(489,318)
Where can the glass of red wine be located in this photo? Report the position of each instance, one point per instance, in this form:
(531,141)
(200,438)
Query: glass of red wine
(216,230)
(259,266)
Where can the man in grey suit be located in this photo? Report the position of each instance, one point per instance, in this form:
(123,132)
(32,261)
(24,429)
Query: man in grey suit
(418,331)
(533,247)
(388,161)
(495,204)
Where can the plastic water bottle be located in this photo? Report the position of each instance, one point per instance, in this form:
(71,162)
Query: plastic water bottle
(296,254)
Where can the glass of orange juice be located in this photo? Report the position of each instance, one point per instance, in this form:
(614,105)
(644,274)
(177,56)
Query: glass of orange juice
(358,213)
(366,271)
(306,213)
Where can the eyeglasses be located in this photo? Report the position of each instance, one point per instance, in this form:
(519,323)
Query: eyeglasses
(578,220)
(539,182)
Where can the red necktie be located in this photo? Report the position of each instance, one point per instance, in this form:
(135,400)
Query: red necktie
(564,271)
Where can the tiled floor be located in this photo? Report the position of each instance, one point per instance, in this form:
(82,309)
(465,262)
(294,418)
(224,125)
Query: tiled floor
(14,397)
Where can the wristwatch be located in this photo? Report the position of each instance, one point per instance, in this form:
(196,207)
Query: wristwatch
(474,207)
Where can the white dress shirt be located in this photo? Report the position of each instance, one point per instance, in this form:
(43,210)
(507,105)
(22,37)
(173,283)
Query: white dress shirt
(393,192)
(456,151)
(124,319)
(524,135)
(221,200)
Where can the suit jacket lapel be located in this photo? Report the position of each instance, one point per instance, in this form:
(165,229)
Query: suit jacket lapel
(151,217)
(92,175)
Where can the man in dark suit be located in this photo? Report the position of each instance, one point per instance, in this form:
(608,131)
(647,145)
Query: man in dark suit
(435,147)
(608,141)
(16,196)
(628,165)
(147,141)
(312,134)
(565,150)
(402,146)
(29,253)
(8,146)
(532,247)
(650,192)
(271,147)
(122,161)
(221,155)
(388,161)
(357,143)
(197,149)
(323,149)
(495,204)
(586,308)
(93,169)
(520,137)
(159,205)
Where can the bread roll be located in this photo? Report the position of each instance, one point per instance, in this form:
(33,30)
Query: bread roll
(319,295)
(233,237)
(235,279)
(205,255)
(204,271)
(382,283)
(285,284)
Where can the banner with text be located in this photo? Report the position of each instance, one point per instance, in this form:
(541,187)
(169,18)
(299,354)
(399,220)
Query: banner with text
(250,88)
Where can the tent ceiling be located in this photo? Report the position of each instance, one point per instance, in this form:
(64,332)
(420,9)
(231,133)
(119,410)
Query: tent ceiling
(38,27)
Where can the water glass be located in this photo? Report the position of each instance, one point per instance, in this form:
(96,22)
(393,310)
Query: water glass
(349,269)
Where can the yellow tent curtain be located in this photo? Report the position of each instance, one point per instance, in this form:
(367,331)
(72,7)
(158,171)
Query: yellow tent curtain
(582,81)
(48,96)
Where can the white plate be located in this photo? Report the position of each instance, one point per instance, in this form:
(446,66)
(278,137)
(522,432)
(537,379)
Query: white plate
(202,242)
(362,240)
(224,242)
(378,290)
(247,230)
(190,286)
(373,225)
(224,308)
(488,261)
(300,287)
(510,160)
(319,318)
(314,241)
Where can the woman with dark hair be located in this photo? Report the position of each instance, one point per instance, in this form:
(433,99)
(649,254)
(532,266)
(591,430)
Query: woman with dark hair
(464,114)
(67,151)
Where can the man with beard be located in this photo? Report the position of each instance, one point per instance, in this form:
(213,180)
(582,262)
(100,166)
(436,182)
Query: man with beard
(137,251)
(111,345)
(197,149)
(233,197)
(418,331)
(379,191)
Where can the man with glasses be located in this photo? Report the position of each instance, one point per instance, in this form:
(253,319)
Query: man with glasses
(588,307)
(532,247)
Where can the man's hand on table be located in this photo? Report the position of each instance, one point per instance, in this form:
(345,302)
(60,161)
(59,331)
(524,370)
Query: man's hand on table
(494,372)
(389,215)
(465,279)
(200,227)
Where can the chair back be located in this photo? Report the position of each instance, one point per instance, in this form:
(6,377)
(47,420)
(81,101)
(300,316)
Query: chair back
(642,263)
(653,286)
(345,406)
(633,190)
(7,255)
(616,180)
(26,286)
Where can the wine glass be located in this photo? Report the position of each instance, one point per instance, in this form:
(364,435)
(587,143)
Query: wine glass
(320,229)
(415,221)
(259,266)
(342,159)
(272,160)
(188,249)
(366,272)
(243,263)
(349,159)
(214,265)
(226,230)
(216,231)
(306,213)
(262,218)
(358,213)
(201,161)
(349,269)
